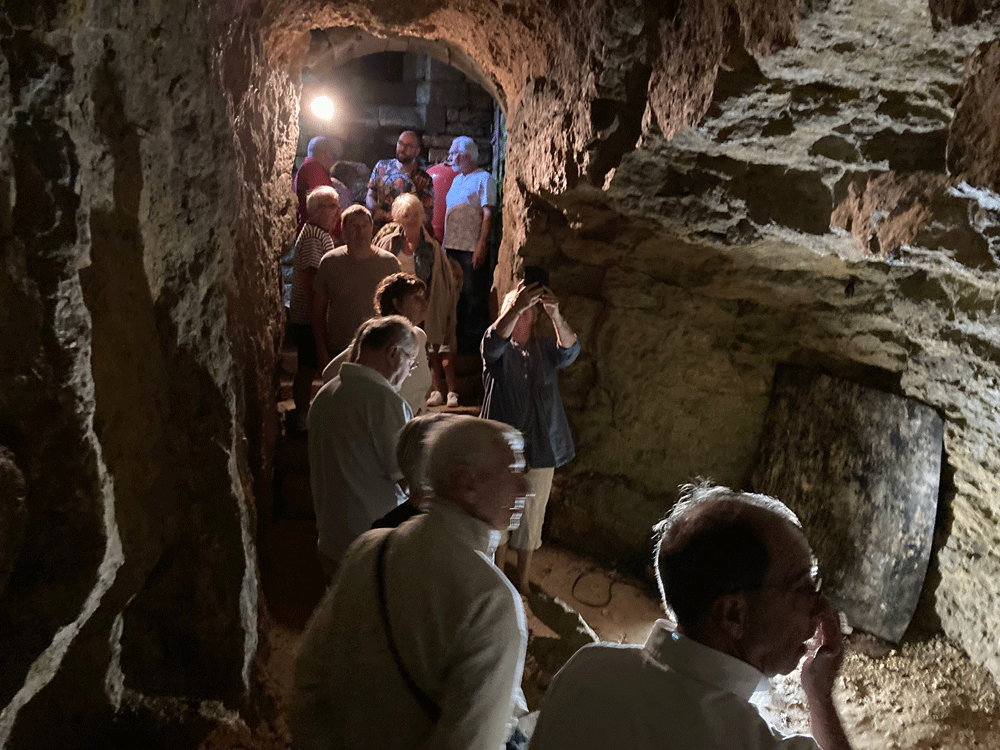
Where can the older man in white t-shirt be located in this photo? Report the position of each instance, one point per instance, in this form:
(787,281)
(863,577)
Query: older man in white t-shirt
(471,200)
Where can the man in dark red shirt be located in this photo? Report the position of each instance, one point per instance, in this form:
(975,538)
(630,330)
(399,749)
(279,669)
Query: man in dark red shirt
(314,172)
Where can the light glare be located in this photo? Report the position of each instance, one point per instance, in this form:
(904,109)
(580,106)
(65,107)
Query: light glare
(322,107)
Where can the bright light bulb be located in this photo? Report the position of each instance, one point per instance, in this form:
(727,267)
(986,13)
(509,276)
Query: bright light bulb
(323,107)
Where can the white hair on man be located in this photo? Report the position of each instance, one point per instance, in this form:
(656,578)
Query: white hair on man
(465,442)
(320,145)
(381,333)
(411,450)
(467,146)
(319,196)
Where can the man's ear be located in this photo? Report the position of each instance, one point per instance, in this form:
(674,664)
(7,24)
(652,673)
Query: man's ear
(731,614)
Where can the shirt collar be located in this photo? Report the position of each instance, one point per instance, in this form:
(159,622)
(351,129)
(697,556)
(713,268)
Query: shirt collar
(681,654)
(354,370)
(475,533)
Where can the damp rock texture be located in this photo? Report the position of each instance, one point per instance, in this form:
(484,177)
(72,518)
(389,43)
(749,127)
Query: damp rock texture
(833,209)
(717,187)
(144,199)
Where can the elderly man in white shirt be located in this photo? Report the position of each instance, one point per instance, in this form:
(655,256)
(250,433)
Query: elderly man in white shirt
(354,422)
(739,576)
(451,676)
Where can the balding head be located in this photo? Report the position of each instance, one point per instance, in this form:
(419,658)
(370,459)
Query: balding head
(739,576)
(478,465)
(713,543)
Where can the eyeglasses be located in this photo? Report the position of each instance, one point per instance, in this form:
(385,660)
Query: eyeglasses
(812,587)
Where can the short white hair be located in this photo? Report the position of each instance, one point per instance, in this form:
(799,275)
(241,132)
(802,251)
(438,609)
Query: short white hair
(466,145)
(316,195)
(464,442)
(411,448)
(318,145)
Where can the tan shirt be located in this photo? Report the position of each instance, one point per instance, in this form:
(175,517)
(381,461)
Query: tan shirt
(349,285)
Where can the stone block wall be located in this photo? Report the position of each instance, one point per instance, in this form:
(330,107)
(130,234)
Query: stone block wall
(433,98)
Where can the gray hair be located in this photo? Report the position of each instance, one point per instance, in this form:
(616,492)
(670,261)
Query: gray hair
(468,146)
(411,448)
(712,543)
(320,144)
(464,442)
(404,201)
(381,333)
(318,194)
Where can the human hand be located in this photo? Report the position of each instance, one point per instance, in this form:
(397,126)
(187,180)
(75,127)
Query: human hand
(825,656)
(550,303)
(527,296)
(478,256)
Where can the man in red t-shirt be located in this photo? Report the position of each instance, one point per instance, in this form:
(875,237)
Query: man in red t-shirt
(314,173)
(443,174)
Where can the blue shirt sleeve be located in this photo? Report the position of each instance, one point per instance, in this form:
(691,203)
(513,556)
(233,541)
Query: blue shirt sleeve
(558,356)
(493,346)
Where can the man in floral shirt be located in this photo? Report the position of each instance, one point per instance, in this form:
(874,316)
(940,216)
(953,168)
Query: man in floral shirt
(393,177)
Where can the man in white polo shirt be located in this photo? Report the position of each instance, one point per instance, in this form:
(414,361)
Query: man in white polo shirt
(354,423)
(471,200)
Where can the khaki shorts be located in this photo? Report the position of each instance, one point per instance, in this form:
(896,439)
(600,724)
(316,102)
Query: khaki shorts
(528,534)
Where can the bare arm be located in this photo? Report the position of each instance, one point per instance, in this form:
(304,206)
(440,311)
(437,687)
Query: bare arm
(564,334)
(320,302)
(479,255)
(526,297)
(819,672)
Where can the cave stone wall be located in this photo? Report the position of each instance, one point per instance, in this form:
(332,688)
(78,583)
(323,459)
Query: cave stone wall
(145,200)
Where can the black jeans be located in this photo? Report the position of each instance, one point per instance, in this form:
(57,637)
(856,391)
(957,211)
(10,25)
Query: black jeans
(473,303)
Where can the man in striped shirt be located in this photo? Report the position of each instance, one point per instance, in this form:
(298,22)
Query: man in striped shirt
(313,242)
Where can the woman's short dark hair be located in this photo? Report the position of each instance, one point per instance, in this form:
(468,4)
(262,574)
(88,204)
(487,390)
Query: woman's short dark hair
(393,288)
(710,545)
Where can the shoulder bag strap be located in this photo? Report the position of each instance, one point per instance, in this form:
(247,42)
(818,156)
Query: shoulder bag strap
(429,706)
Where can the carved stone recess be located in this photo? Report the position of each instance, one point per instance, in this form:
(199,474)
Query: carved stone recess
(861,469)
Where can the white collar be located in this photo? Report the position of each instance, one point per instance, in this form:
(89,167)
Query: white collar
(477,534)
(668,648)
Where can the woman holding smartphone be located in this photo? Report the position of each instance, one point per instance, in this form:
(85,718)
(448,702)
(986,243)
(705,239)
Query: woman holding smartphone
(522,389)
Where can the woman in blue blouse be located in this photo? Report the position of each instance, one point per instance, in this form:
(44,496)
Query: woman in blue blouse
(522,389)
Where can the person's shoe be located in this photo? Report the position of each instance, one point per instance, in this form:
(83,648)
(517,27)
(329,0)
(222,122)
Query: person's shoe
(435,399)
(452,399)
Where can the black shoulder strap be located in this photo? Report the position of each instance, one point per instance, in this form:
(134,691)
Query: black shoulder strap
(429,706)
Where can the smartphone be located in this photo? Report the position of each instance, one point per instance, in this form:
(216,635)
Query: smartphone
(536,275)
